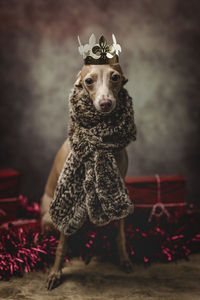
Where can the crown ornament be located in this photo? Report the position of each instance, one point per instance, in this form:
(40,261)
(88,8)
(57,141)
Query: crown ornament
(99,53)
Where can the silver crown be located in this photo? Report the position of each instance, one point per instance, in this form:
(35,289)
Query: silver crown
(102,53)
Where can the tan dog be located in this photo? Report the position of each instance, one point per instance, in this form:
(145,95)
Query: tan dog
(103,82)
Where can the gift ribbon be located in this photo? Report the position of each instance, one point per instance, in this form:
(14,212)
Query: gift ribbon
(2,212)
(159,204)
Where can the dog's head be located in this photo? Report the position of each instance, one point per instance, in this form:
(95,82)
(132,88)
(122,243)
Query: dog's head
(103,83)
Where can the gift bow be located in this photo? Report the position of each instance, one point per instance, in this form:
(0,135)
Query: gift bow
(155,213)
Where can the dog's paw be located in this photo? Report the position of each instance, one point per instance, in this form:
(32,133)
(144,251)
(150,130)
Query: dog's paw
(126,266)
(53,280)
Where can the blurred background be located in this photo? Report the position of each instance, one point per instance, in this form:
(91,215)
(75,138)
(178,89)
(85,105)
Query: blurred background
(39,61)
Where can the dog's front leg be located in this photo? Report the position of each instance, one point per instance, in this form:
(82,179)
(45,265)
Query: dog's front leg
(54,278)
(125,262)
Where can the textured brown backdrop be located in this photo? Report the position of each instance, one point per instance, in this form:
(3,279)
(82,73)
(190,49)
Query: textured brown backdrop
(39,61)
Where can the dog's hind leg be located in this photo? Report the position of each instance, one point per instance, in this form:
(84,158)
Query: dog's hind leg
(124,260)
(55,276)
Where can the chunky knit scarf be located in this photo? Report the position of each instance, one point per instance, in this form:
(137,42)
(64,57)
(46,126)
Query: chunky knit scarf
(90,183)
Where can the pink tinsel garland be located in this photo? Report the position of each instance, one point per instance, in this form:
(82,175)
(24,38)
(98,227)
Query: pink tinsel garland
(23,248)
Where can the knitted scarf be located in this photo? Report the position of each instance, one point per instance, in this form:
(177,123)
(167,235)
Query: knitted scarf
(90,184)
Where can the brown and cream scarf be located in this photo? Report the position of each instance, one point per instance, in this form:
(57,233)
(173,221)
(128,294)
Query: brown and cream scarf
(90,184)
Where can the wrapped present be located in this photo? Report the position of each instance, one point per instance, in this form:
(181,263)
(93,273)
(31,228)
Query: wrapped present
(9,183)
(18,208)
(26,224)
(158,195)
(9,209)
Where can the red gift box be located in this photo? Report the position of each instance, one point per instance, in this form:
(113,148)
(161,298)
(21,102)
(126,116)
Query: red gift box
(9,183)
(160,194)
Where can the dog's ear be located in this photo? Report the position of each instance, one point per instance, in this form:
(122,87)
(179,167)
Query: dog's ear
(124,80)
(78,82)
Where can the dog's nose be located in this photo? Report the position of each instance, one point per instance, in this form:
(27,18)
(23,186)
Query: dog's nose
(105,105)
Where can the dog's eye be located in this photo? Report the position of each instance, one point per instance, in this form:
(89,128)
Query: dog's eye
(115,77)
(88,81)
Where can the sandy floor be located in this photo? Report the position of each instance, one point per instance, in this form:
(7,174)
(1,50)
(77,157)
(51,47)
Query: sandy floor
(105,281)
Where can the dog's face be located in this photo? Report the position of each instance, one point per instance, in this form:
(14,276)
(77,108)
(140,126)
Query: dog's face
(103,83)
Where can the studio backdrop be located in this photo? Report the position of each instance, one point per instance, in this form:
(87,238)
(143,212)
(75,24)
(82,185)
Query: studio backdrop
(39,62)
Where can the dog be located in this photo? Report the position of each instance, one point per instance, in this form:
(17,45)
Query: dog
(103,83)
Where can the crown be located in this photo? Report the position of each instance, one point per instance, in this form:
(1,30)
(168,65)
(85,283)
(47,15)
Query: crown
(99,54)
